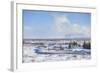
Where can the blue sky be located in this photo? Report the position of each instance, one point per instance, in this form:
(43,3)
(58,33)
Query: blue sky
(47,24)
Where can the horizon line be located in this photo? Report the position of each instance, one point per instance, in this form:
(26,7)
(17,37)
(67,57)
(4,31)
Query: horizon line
(56,38)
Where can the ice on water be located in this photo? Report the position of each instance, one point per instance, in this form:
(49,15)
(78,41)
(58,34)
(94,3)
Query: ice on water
(38,53)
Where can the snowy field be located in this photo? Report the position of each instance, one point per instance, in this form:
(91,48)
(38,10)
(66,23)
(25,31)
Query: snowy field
(49,53)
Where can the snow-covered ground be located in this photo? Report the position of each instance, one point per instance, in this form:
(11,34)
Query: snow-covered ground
(54,50)
(44,55)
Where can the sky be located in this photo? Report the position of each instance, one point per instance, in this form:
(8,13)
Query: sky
(51,24)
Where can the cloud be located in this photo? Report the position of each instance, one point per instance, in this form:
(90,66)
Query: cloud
(60,23)
(64,27)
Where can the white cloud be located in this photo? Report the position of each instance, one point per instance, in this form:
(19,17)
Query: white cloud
(64,27)
(60,23)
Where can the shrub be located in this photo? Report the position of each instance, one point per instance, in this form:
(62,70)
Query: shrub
(87,45)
